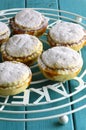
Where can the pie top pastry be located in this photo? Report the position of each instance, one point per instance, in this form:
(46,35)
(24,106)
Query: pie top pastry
(61,57)
(4,31)
(23,48)
(15,77)
(29,18)
(29,21)
(60,63)
(13,73)
(67,34)
(22,45)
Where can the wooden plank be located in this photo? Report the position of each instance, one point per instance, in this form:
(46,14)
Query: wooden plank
(42,4)
(48,4)
(52,124)
(6,125)
(79,117)
(7,4)
(46,124)
(76,6)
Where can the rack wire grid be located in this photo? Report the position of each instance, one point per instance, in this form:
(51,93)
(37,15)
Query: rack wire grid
(44,99)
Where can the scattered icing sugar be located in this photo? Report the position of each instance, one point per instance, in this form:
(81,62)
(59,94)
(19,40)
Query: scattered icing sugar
(13,72)
(29,18)
(66,32)
(3,28)
(61,57)
(22,45)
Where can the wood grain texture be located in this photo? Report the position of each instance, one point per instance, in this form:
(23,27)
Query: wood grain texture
(6,125)
(52,124)
(47,124)
(79,118)
(42,4)
(7,4)
(78,122)
(76,6)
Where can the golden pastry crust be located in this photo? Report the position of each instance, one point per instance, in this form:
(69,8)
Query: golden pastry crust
(13,83)
(4,40)
(59,69)
(60,75)
(67,34)
(4,33)
(15,90)
(28,60)
(37,31)
(75,46)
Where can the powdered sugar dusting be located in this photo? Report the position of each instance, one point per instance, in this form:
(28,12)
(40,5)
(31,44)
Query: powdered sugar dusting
(3,28)
(22,45)
(67,32)
(61,57)
(28,18)
(5,35)
(13,72)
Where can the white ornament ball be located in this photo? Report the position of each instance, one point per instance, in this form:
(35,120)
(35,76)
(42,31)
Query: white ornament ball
(63,119)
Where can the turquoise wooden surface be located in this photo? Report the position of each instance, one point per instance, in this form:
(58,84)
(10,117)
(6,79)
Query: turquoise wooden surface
(79,124)
(75,6)
(7,4)
(42,4)
(47,124)
(4,125)
(78,7)
(75,120)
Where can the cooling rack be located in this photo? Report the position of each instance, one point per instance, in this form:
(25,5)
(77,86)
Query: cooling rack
(44,99)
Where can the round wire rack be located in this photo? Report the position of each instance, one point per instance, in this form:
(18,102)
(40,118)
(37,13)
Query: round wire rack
(44,99)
